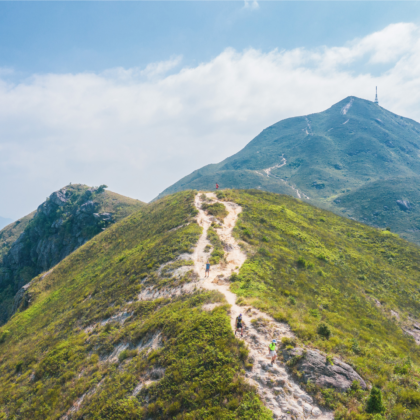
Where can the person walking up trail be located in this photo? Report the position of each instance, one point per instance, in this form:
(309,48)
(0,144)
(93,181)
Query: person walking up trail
(272,350)
(207,274)
(217,186)
(240,325)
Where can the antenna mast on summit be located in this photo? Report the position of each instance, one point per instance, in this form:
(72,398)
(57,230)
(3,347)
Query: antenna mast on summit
(376,96)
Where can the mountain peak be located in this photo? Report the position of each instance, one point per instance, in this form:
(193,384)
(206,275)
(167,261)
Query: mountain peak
(355,158)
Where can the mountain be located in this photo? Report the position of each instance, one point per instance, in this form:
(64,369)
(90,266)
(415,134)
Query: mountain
(4,222)
(37,242)
(126,327)
(356,159)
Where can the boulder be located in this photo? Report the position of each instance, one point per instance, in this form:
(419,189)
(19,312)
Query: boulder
(59,197)
(314,367)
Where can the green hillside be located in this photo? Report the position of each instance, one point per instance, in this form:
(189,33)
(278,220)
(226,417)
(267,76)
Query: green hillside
(308,267)
(85,343)
(56,350)
(354,151)
(37,242)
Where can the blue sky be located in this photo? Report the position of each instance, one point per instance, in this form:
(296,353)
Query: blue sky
(92,36)
(136,95)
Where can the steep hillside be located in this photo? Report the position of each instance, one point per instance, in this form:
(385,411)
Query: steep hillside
(311,268)
(125,327)
(345,157)
(68,219)
(86,345)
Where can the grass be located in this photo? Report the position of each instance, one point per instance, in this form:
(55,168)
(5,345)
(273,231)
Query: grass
(57,350)
(318,272)
(218,210)
(335,269)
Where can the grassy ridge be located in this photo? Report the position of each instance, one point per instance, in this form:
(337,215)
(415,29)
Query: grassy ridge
(307,266)
(57,351)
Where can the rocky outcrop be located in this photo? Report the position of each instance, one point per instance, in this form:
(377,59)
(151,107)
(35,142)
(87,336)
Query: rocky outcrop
(403,205)
(22,298)
(65,221)
(315,367)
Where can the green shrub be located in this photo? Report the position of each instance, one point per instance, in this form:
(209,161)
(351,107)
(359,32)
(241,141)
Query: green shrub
(374,402)
(324,330)
(218,210)
(288,341)
(301,262)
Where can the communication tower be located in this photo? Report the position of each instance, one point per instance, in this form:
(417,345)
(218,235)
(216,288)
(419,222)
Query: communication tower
(376,96)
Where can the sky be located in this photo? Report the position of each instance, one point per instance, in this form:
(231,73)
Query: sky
(136,95)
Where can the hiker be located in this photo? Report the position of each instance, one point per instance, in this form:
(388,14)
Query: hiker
(272,350)
(207,269)
(240,325)
(217,186)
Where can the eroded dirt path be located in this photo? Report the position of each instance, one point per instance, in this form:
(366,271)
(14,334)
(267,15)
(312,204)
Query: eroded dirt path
(279,392)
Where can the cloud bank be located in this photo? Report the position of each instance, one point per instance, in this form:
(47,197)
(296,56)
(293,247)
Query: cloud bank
(140,130)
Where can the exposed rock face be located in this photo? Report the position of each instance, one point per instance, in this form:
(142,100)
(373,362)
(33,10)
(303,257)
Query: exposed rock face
(65,221)
(403,205)
(315,367)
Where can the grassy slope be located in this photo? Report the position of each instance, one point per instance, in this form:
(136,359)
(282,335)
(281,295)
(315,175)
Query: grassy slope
(338,157)
(48,360)
(308,266)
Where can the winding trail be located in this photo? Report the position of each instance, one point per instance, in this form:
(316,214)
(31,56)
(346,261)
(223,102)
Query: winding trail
(276,388)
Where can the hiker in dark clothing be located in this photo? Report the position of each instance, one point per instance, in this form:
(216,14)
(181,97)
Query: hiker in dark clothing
(240,325)
(207,274)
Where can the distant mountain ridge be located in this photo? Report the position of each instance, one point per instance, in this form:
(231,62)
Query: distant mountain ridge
(356,159)
(60,225)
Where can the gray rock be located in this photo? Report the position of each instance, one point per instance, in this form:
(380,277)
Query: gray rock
(395,314)
(403,204)
(59,197)
(89,207)
(316,412)
(22,298)
(314,367)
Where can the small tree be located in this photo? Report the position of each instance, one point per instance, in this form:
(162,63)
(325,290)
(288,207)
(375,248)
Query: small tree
(374,403)
(324,330)
(101,188)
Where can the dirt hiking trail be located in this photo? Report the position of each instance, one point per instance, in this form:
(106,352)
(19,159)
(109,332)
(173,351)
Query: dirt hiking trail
(276,388)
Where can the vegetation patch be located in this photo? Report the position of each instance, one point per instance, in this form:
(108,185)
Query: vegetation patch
(335,270)
(218,210)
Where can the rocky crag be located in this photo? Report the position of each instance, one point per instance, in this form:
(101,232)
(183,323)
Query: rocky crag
(64,222)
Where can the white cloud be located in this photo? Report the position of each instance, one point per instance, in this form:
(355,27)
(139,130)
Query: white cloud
(140,130)
(252,5)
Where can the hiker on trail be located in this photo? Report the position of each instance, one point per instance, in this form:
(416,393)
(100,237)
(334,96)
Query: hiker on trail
(272,350)
(240,325)
(207,269)
(217,186)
